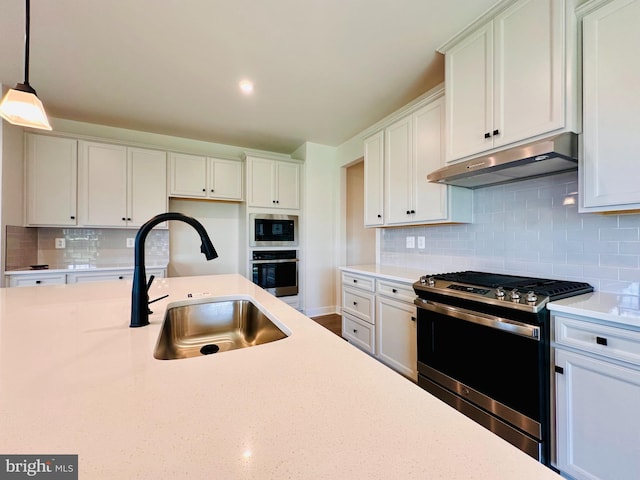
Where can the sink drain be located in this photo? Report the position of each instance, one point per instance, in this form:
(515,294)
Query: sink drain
(209,349)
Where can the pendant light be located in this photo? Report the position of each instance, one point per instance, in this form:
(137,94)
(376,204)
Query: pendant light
(20,105)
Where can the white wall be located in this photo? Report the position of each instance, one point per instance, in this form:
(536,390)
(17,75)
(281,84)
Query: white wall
(11,181)
(320,221)
(222,222)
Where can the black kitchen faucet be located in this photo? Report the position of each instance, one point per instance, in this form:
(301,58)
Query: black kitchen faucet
(140,290)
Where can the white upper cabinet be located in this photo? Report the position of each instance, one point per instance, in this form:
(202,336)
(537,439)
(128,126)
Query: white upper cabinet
(120,186)
(400,158)
(511,77)
(609,167)
(51,176)
(273,183)
(415,148)
(373,180)
(193,176)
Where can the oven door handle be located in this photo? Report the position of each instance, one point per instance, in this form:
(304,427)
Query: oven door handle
(288,260)
(491,321)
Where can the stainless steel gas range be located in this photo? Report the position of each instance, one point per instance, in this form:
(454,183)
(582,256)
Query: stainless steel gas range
(483,347)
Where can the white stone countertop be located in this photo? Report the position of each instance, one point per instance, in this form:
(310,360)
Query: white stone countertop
(77,269)
(75,379)
(398,274)
(617,309)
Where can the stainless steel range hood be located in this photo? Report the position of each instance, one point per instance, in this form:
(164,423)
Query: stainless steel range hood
(545,157)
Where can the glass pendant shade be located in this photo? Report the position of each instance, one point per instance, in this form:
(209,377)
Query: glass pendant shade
(20,106)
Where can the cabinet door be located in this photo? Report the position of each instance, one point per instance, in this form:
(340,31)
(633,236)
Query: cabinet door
(430,199)
(398,172)
(611,64)
(288,185)
(598,425)
(225,179)
(396,343)
(103,184)
(261,182)
(469,94)
(187,175)
(147,185)
(528,70)
(373,180)
(51,180)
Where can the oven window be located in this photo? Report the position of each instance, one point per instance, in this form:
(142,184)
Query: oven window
(275,275)
(501,365)
(274,230)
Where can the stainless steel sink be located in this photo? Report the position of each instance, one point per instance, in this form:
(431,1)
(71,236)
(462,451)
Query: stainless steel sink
(211,326)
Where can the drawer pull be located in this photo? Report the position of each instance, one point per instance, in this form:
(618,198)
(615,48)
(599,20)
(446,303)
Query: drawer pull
(355,281)
(355,330)
(601,341)
(355,303)
(394,290)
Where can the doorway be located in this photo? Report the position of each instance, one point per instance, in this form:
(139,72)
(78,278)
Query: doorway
(361,241)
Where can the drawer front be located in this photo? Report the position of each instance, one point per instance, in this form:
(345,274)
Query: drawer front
(37,280)
(360,304)
(359,333)
(610,342)
(99,277)
(396,290)
(358,281)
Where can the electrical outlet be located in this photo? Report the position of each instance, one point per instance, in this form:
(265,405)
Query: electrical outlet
(60,243)
(421,242)
(131,242)
(411,242)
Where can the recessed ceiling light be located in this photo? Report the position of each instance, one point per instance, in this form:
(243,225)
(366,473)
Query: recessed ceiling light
(246,86)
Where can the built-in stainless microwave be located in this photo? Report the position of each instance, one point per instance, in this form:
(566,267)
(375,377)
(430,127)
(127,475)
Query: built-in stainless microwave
(273,230)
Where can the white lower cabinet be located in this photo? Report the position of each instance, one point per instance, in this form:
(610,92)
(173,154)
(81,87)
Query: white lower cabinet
(57,278)
(379,317)
(37,280)
(597,397)
(396,343)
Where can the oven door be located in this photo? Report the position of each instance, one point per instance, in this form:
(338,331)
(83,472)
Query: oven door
(278,277)
(488,367)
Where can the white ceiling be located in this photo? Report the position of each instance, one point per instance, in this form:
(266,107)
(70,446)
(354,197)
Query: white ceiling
(324,70)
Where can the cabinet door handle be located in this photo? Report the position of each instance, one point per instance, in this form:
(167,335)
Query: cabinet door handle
(72,217)
(601,341)
(124,219)
(496,132)
(394,290)
(408,212)
(38,282)
(120,277)
(413,211)
(212,190)
(379,216)
(487,135)
(355,281)
(204,189)
(355,330)
(559,370)
(413,319)
(355,303)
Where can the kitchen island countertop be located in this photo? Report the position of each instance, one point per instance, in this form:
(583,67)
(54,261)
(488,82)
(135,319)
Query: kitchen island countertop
(75,379)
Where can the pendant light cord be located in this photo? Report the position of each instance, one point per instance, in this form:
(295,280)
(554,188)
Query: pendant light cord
(26,42)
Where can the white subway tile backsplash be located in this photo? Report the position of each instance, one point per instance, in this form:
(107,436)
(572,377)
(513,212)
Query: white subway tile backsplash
(531,228)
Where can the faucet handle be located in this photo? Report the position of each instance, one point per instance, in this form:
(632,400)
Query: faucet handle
(151,279)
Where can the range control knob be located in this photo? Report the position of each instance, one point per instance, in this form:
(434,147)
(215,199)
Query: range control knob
(431,281)
(515,295)
(500,293)
(531,297)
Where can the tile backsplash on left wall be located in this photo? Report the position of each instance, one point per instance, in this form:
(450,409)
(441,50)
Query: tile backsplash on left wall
(84,247)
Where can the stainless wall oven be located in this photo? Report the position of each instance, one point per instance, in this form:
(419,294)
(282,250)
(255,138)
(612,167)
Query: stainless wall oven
(483,347)
(273,230)
(276,271)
